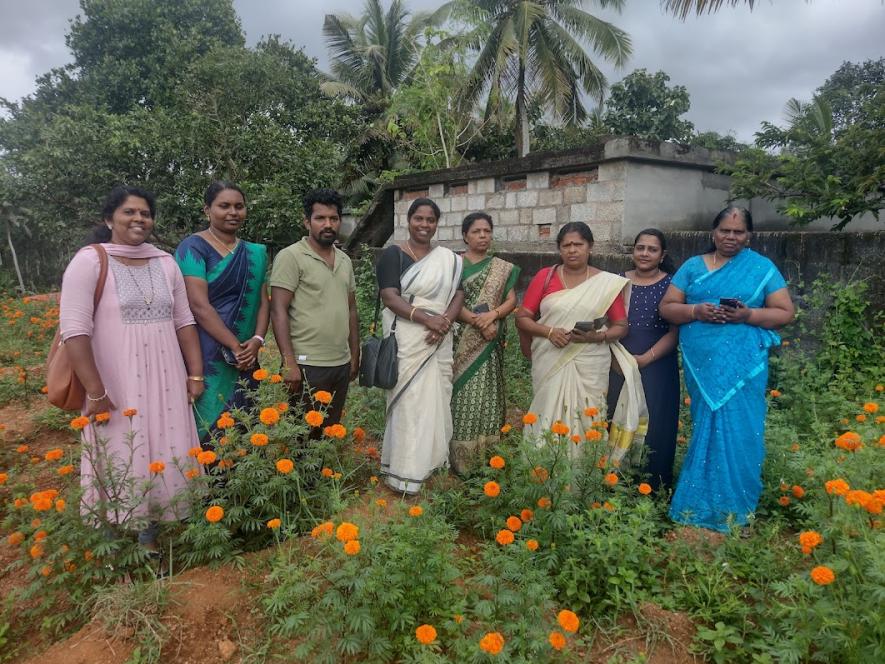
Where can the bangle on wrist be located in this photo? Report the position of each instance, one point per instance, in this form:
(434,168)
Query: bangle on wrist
(199,379)
(653,356)
(693,312)
(259,337)
(412,314)
(94,399)
(549,333)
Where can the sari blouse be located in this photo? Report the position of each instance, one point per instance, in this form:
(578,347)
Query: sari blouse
(722,358)
(536,292)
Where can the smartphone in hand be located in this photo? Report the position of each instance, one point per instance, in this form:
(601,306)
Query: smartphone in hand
(732,302)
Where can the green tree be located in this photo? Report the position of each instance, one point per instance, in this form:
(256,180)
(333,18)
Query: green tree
(644,105)
(713,140)
(534,52)
(850,89)
(819,171)
(682,8)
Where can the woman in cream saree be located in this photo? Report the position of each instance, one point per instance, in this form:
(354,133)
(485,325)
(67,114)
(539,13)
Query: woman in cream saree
(570,367)
(420,306)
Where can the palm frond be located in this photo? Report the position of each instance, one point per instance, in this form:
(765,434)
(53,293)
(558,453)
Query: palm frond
(606,40)
(682,8)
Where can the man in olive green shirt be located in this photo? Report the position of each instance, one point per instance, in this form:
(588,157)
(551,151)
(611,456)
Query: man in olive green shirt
(313,309)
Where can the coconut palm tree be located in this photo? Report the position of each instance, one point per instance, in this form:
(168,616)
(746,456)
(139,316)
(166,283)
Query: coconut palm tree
(533,52)
(682,8)
(372,54)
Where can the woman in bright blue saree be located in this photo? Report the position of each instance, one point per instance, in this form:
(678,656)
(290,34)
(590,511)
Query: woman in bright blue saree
(225,276)
(728,303)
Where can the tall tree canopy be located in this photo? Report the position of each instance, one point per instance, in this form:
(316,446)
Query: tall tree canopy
(644,105)
(534,53)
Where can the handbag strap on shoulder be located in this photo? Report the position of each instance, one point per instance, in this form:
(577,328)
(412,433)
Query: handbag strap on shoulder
(378,299)
(102,274)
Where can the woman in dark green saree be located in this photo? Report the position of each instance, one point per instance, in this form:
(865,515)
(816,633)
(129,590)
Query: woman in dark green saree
(225,278)
(478,391)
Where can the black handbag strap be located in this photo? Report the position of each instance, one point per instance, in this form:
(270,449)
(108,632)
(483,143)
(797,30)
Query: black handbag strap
(378,299)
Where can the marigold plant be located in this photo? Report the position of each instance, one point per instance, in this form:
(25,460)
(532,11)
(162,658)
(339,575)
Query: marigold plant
(347,531)
(352,547)
(416,511)
(260,374)
(837,487)
(54,454)
(529,418)
(130,412)
(798,491)
(324,529)
(871,407)
(504,537)
(532,544)
(557,640)
(610,479)
(206,457)
(544,502)
(102,418)
(259,439)
(593,435)
(506,428)
(491,489)
(492,643)
(79,423)
(644,488)
(526,515)
(568,620)
(225,421)
(560,428)
(823,575)
(590,411)
(497,462)
(285,466)
(514,523)
(327,472)
(269,416)
(322,396)
(809,540)
(156,467)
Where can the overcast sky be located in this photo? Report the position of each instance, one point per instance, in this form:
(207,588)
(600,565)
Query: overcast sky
(740,67)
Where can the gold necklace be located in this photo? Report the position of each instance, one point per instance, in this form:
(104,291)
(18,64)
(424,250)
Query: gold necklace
(408,248)
(144,297)
(227,248)
(562,275)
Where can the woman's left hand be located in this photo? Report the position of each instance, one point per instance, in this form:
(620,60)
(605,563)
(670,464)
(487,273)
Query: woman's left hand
(486,319)
(738,314)
(247,357)
(489,333)
(195,389)
(589,337)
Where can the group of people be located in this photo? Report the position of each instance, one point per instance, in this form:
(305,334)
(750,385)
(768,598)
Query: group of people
(600,345)
(174,337)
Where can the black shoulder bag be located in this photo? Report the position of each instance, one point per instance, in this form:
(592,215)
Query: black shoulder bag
(379,365)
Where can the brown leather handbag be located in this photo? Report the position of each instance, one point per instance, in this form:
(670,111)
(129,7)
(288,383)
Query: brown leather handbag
(64,389)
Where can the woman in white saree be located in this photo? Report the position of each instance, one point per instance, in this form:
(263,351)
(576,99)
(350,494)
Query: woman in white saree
(421,290)
(575,315)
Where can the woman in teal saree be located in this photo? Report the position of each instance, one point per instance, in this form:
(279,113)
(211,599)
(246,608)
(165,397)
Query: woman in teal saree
(728,303)
(478,390)
(225,278)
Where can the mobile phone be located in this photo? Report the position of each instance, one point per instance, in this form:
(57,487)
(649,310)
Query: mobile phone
(481,308)
(228,356)
(732,302)
(584,326)
(599,323)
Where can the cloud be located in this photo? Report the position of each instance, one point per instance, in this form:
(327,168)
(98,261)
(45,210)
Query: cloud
(739,67)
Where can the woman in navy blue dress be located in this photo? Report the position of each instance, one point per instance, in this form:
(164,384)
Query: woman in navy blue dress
(652,341)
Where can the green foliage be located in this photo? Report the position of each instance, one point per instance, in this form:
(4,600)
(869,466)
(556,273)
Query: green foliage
(643,105)
(136,608)
(715,141)
(828,166)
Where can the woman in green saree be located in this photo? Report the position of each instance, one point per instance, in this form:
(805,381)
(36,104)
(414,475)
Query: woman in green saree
(478,390)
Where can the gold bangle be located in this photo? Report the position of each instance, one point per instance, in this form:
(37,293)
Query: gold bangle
(549,333)
(199,379)
(653,356)
(693,308)
(412,314)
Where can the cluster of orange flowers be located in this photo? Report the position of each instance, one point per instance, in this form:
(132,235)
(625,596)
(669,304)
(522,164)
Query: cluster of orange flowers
(335,431)
(849,441)
(871,502)
(809,540)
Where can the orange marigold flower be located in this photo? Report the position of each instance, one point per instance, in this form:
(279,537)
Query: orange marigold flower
(514,523)
(591,411)
(102,418)
(809,539)
(347,531)
(860,418)
(504,537)
(783,501)
(837,487)
(426,634)
(608,506)
(491,489)
(22,449)
(880,419)
(225,421)
(36,551)
(322,396)
(857,497)
(259,439)
(575,438)
(610,479)
(560,428)
(4,477)
(539,474)
(458,618)
(191,473)
(874,505)
(529,418)
(880,388)
(88,555)
(224,464)
(260,374)
(46,570)
(130,412)
(823,575)
(20,502)
(282,407)
(532,545)
(871,407)
(568,620)
(557,640)
(36,523)
(849,441)
(80,422)
(492,643)
(593,435)
(416,510)
(285,466)
(327,472)
(335,431)
(380,502)
(544,502)
(156,467)
(214,514)
(276,378)
(776,393)
(359,434)
(44,389)
(506,428)
(70,567)
(42,504)
(60,505)
(603,462)
(194,451)
(15,538)
(40,535)
(352,547)
(314,418)
(497,462)
(373,480)
(526,515)
(206,457)
(269,416)
(324,529)
(644,489)
(798,491)
(54,454)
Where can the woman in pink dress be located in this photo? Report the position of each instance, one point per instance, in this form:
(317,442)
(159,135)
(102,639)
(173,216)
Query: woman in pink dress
(138,351)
